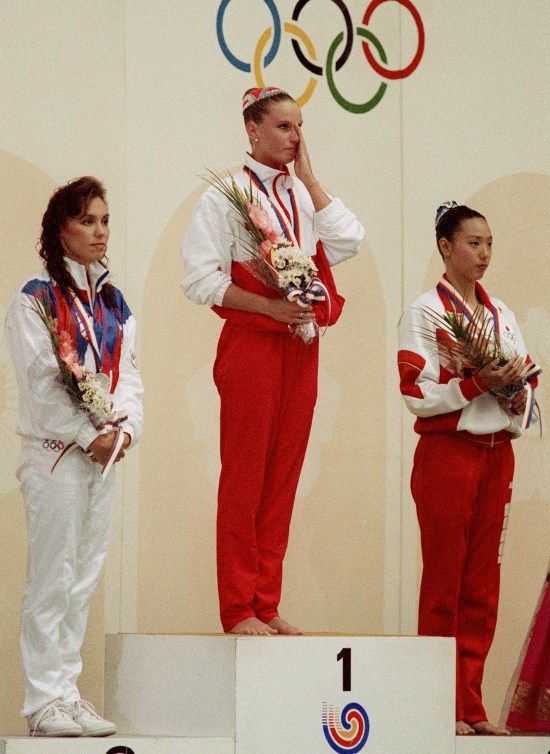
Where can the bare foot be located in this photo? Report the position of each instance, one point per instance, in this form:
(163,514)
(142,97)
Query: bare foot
(463,729)
(252,627)
(484,728)
(282,627)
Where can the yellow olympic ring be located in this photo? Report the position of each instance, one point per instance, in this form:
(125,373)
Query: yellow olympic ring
(262,42)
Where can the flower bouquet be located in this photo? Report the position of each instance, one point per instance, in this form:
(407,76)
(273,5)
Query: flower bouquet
(466,345)
(272,258)
(88,390)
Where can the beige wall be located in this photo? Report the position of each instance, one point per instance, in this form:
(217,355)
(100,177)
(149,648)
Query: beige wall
(62,114)
(138,93)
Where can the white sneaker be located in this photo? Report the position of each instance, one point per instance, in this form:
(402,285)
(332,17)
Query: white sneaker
(53,720)
(88,720)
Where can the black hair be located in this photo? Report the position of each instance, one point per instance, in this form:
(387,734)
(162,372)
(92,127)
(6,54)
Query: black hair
(450,222)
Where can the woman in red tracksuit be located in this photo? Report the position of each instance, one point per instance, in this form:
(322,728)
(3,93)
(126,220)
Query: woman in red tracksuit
(267,380)
(464,463)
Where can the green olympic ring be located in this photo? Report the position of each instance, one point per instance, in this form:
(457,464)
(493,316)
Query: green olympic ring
(351,106)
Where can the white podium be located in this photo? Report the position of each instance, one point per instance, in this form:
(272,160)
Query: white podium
(279,695)
(286,695)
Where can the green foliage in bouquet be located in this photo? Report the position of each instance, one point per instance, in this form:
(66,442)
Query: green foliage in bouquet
(465,346)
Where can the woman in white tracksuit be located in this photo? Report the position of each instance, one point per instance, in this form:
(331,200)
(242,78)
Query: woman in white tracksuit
(464,462)
(68,501)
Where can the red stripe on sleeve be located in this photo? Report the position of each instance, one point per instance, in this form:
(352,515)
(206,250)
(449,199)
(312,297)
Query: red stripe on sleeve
(472,386)
(410,366)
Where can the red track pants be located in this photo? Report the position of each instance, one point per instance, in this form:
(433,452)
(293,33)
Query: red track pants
(268,388)
(461,489)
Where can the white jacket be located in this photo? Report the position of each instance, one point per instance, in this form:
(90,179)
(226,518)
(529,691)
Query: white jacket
(442,401)
(45,409)
(211,242)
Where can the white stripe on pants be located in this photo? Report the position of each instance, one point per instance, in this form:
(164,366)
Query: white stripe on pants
(68,517)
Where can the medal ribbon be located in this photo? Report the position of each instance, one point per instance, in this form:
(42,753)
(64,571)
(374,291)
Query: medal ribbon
(289,225)
(463,307)
(85,326)
(86,329)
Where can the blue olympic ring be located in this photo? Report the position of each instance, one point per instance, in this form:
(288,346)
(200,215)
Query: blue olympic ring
(227,52)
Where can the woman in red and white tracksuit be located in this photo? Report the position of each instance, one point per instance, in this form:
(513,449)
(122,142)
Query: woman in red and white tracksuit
(464,462)
(69,504)
(267,380)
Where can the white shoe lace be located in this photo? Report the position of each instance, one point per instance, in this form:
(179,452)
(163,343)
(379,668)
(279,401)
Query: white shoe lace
(56,710)
(86,709)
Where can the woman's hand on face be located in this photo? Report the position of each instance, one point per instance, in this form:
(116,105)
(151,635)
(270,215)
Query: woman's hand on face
(495,377)
(289,311)
(304,171)
(302,163)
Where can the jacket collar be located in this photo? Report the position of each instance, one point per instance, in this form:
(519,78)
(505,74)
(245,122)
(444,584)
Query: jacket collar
(96,277)
(268,175)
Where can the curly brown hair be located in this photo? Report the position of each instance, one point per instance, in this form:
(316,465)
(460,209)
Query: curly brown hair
(65,203)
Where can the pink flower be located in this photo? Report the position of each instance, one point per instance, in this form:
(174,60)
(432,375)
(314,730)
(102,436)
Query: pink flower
(273,235)
(260,219)
(69,356)
(265,247)
(77,371)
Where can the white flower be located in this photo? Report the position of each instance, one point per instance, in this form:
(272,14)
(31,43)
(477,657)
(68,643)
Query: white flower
(279,259)
(285,279)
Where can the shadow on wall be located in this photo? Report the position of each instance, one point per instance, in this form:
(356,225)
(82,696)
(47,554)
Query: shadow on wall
(516,208)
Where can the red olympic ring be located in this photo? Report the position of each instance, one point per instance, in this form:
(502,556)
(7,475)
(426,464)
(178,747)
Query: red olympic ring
(403,72)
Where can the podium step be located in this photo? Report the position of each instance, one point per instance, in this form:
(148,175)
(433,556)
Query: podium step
(171,685)
(116,745)
(286,695)
(503,745)
(144,745)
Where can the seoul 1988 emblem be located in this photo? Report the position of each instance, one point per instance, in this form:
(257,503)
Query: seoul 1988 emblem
(347,731)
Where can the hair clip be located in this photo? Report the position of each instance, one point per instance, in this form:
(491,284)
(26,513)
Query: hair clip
(445,207)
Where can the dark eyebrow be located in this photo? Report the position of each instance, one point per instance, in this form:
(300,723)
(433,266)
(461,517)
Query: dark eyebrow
(92,216)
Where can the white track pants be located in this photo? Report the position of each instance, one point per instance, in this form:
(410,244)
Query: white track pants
(68,516)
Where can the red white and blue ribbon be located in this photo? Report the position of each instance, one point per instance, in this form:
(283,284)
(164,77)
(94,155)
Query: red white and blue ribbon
(313,294)
(290,225)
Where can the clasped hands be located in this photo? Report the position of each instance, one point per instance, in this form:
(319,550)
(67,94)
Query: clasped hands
(100,449)
(495,377)
(290,312)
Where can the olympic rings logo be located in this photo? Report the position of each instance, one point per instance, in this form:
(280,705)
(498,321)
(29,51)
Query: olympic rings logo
(55,445)
(334,62)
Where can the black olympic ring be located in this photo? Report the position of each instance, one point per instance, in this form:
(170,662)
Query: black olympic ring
(311,67)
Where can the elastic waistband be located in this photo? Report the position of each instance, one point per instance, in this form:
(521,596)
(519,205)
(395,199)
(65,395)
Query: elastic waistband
(492,439)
